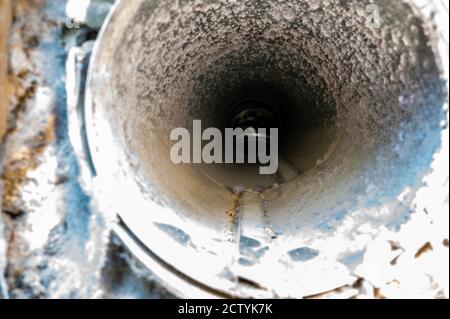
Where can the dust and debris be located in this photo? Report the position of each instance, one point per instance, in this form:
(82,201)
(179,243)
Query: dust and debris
(425,248)
(377,293)
(233,211)
(394,245)
(19,164)
(393,262)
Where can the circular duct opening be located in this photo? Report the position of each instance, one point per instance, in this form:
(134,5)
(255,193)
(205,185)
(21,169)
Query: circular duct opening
(358,108)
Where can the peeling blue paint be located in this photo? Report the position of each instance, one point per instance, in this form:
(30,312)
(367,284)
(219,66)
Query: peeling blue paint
(175,233)
(303,254)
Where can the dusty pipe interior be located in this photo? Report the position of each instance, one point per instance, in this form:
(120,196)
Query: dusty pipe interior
(359,111)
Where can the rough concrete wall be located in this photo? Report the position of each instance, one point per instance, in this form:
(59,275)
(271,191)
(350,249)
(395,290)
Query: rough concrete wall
(54,244)
(5,21)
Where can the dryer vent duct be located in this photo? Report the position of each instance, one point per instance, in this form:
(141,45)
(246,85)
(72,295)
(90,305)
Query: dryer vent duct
(359,104)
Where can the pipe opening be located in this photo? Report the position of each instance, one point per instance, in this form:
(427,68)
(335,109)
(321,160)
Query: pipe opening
(344,96)
(305,132)
(359,110)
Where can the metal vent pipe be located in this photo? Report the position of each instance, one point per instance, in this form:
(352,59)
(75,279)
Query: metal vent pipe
(360,102)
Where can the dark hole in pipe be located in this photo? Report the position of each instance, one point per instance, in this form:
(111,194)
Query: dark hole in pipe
(304,138)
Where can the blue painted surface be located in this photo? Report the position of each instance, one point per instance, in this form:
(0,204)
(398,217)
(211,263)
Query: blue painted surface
(303,254)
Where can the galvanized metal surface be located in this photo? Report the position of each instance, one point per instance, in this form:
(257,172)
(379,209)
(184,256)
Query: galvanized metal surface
(317,231)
